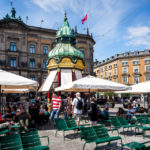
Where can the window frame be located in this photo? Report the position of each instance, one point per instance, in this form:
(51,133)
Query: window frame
(12,46)
(45,52)
(31,65)
(31,49)
(13,59)
(126,79)
(44,64)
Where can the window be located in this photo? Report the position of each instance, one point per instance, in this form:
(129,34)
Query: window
(136,53)
(126,54)
(136,79)
(148,78)
(115,65)
(32,63)
(13,62)
(13,47)
(125,70)
(32,77)
(135,62)
(44,77)
(147,68)
(105,68)
(109,73)
(101,69)
(97,70)
(136,69)
(32,48)
(147,61)
(101,76)
(115,71)
(105,74)
(83,51)
(115,80)
(125,79)
(110,66)
(124,63)
(44,63)
(45,50)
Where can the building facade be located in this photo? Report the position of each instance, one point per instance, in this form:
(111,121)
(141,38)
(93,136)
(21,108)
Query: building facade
(24,49)
(127,68)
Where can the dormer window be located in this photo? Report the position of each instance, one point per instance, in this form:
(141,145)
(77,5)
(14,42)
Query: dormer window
(136,53)
(126,54)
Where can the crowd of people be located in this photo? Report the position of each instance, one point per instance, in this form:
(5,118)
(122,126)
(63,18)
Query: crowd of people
(32,114)
(26,114)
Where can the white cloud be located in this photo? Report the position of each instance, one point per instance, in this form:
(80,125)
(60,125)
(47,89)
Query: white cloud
(138,36)
(56,5)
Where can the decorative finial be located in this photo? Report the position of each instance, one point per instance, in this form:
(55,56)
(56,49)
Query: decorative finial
(11,2)
(65,16)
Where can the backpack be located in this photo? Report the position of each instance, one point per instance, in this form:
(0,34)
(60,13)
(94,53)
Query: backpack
(79,104)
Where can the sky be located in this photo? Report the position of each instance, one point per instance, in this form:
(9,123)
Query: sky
(117,25)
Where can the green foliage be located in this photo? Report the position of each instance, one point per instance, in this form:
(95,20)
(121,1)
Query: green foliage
(125,95)
(110,94)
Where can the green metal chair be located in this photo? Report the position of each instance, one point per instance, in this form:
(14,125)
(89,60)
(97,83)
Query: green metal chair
(11,142)
(116,124)
(102,133)
(125,124)
(137,145)
(31,140)
(97,135)
(61,125)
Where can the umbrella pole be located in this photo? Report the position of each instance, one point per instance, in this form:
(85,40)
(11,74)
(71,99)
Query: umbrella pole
(0,101)
(89,98)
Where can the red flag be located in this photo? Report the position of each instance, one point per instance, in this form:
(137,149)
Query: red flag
(84,19)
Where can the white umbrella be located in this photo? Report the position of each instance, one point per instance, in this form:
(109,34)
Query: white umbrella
(12,81)
(15,91)
(143,87)
(92,84)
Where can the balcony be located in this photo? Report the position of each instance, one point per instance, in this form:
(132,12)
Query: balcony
(137,73)
(115,76)
(106,78)
(125,74)
(147,72)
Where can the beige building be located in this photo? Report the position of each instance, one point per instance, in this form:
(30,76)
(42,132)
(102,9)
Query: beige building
(24,49)
(128,68)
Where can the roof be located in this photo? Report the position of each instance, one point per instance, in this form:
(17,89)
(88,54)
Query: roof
(65,43)
(65,49)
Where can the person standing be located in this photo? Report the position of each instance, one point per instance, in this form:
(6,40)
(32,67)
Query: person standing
(77,107)
(92,113)
(56,104)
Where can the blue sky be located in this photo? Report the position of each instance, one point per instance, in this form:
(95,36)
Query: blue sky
(117,25)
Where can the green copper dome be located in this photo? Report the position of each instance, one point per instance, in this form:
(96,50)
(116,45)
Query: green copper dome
(65,44)
(65,30)
(65,49)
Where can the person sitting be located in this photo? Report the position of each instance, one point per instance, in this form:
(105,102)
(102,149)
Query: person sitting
(137,108)
(9,116)
(13,110)
(23,117)
(105,113)
(130,113)
(120,112)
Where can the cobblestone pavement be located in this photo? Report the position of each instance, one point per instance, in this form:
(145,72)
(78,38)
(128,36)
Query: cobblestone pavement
(74,143)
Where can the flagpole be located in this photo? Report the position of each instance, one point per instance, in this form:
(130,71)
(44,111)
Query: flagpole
(88,19)
(11,2)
